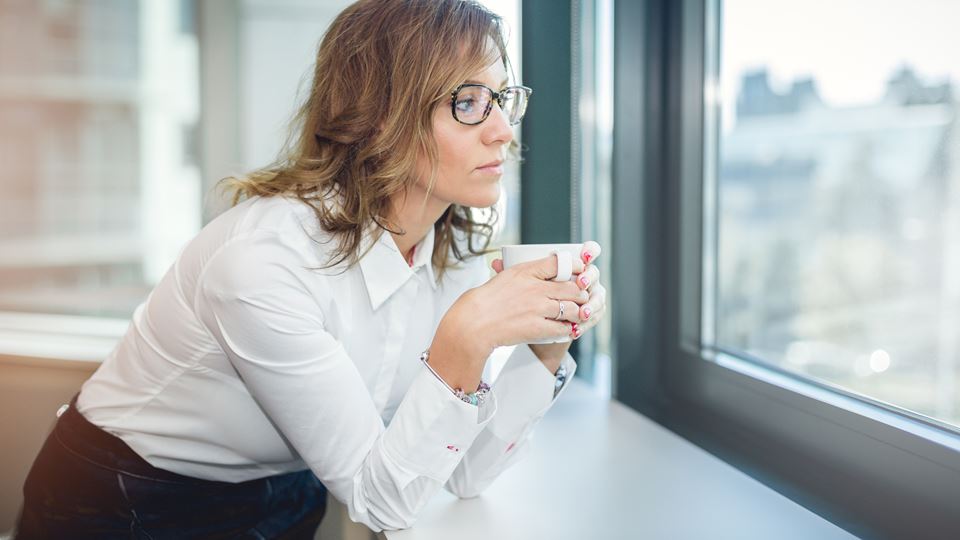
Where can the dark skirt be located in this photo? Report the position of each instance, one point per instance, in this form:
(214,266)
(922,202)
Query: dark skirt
(87,483)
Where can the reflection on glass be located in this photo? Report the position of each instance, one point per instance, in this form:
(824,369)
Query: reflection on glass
(838,189)
(98,106)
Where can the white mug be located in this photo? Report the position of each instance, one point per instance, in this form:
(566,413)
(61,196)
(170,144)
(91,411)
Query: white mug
(565,253)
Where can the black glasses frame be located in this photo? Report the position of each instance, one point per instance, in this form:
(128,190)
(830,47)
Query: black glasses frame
(497,96)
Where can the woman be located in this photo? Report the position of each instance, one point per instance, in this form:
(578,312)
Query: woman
(283,353)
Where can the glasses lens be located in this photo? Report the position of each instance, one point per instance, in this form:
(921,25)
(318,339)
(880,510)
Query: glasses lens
(471,104)
(514,104)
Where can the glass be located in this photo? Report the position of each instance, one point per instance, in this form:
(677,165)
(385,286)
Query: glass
(98,115)
(592,95)
(838,196)
(471,103)
(99,126)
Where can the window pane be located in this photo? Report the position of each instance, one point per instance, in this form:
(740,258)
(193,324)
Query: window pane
(98,114)
(507,229)
(838,195)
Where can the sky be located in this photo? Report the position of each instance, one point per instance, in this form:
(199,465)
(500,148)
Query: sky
(851,47)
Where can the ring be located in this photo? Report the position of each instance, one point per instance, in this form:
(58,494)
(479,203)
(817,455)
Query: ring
(559,315)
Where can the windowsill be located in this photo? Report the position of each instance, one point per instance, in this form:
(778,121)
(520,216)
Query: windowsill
(863,407)
(598,469)
(28,337)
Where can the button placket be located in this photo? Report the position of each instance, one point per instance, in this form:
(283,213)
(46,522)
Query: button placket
(400,308)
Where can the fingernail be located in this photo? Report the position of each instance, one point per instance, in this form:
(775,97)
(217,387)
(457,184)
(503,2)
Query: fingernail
(587,257)
(584,281)
(586,313)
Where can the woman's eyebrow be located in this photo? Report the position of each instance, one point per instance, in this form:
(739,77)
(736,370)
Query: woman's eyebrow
(473,81)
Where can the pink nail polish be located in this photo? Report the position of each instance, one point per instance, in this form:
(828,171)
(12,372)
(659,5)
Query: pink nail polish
(586,313)
(584,281)
(587,257)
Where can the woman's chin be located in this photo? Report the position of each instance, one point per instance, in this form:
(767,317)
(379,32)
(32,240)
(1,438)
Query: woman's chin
(484,199)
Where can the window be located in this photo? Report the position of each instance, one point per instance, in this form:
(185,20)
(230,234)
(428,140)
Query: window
(722,228)
(507,228)
(592,74)
(98,115)
(838,183)
(109,158)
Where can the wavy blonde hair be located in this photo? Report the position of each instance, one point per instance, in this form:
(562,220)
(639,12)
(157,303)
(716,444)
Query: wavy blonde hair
(382,68)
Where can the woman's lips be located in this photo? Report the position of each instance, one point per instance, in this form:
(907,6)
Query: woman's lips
(495,167)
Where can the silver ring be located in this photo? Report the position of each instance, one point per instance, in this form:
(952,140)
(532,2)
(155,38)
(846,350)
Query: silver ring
(559,315)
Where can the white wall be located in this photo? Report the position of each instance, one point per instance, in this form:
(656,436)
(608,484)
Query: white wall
(277,47)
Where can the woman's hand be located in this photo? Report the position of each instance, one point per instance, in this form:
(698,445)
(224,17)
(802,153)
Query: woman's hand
(516,306)
(519,304)
(589,313)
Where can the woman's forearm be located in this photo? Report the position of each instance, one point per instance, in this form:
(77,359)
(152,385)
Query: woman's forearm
(551,354)
(457,353)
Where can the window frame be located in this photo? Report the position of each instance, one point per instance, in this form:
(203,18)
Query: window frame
(868,468)
(549,170)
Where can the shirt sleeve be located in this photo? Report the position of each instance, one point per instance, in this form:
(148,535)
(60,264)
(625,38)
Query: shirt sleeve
(525,392)
(263,305)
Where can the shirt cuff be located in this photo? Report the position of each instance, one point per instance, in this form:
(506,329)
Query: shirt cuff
(525,392)
(432,429)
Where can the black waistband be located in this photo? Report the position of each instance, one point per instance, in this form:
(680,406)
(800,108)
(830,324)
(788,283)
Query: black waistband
(103,449)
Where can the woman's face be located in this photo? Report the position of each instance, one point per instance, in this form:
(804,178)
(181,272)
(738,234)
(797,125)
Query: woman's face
(470,157)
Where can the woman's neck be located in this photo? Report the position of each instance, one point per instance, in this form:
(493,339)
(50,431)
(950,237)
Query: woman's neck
(410,214)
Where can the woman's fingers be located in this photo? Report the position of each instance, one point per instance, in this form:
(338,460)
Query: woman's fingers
(546,268)
(564,290)
(592,308)
(591,250)
(578,265)
(550,328)
(588,277)
(571,310)
(593,320)
(528,290)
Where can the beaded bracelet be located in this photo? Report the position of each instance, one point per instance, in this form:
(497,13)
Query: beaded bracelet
(475,398)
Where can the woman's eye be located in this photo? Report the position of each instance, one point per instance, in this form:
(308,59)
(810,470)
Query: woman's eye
(466,104)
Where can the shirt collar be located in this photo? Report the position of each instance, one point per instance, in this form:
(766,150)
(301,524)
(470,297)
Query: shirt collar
(384,268)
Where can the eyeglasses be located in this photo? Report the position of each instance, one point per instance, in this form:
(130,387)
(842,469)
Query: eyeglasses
(471,103)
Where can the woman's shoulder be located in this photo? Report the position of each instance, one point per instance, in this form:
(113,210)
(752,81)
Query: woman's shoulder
(278,213)
(287,218)
(259,233)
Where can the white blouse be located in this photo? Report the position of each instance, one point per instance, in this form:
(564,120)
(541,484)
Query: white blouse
(247,360)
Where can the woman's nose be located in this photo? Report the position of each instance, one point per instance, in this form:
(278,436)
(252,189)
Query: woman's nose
(499,129)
